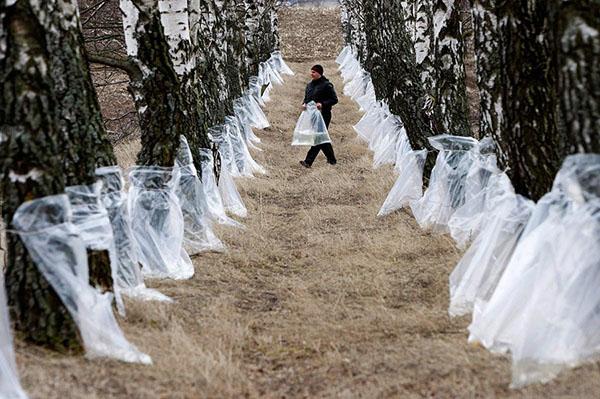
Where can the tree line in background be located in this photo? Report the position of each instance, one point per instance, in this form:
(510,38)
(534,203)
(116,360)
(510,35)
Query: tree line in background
(537,69)
(186,62)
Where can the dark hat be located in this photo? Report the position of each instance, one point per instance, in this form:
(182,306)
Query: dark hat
(317,68)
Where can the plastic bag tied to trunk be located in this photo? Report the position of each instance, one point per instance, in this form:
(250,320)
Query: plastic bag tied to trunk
(54,244)
(91,219)
(544,310)
(280,65)
(10,387)
(129,277)
(245,163)
(157,222)
(214,202)
(446,191)
(409,185)
(198,235)
(310,128)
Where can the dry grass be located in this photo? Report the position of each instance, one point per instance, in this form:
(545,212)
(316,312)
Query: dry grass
(317,298)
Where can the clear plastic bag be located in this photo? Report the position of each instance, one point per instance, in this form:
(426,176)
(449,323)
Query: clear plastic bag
(232,201)
(310,128)
(367,100)
(409,185)
(198,234)
(255,90)
(54,244)
(245,163)
(10,387)
(368,124)
(343,54)
(128,272)
(385,148)
(544,310)
(477,274)
(157,222)
(248,111)
(446,191)
(220,136)
(90,217)
(280,65)
(214,201)
(466,221)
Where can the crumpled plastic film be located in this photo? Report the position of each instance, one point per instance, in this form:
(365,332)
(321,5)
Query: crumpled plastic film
(271,75)
(249,112)
(390,123)
(310,128)
(214,201)
(544,310)
(476,276)
(90,217)
(409,185)
(157,222)
(255,90)
(343,54)
(386,148)
(232,201)
(280,65)
(129,277)
(446,191)
(367,125)
(54,244)
(367,100)
(10,387)
(466,220)
(220,136)
(198,235)
(246,164)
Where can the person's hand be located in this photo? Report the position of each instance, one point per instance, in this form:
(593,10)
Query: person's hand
(319,105)
(303,106)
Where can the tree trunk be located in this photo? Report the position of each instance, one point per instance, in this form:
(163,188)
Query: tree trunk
(451,112)
(577,52)
(530,144)
(32,164)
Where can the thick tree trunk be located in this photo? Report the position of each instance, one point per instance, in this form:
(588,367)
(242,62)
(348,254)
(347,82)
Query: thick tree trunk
(577,53)
(451,111)
(530,144)
(32,162)
(487,52)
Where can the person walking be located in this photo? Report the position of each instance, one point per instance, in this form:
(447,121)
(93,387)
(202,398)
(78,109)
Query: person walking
(321,91)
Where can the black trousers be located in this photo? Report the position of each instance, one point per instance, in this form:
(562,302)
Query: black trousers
(327,148)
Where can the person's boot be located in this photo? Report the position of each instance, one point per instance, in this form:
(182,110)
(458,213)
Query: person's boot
(306,165)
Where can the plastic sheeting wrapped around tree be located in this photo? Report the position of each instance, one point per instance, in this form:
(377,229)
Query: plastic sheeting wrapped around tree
(280,65)
(310,129)
(245,163)
(409,185)
(446,191)
(476,275)
(54,244)
(220,136)
(10,387)
(212,195)
(157,222)
(544,310)
(128,273)
(90,217)
(198,235)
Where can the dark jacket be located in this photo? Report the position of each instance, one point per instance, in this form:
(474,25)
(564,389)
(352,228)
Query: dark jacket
(321,91)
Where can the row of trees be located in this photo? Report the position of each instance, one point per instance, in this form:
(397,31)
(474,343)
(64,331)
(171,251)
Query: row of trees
(187,60)
(538,75)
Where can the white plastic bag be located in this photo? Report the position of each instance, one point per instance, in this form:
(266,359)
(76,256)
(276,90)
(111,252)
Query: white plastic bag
(409,185)
(343,54)
(220,136)
(90,217)
(128,272)
(477,274)
(157,222)
(214,201)
(198,234)
(245,163)
(367,125)
(53,242)
(544,310)
(310,128)
(10,387)
(466,221)
(280,65)
(232,201)
(446,191)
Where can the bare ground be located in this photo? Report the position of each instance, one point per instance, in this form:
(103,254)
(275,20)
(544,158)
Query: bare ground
(316,298)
